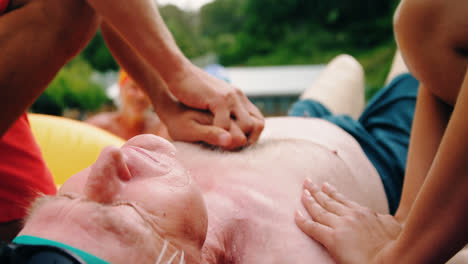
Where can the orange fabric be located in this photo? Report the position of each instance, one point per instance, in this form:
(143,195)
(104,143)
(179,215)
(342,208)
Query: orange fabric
(23,172)
(3,5)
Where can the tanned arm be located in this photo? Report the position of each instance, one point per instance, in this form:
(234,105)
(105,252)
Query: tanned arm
(430,120)
(36,40)
(436,226)
(138,69)
(140,23)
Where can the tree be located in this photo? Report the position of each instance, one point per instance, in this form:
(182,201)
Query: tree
(184,26)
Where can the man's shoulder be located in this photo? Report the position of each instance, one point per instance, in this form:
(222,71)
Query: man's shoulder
(103,120)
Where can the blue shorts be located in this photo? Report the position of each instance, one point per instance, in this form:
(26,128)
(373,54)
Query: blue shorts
(383,130)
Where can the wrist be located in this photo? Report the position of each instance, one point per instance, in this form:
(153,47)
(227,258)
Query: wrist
(164,104)
(175,68)
(401,215)
(389,254)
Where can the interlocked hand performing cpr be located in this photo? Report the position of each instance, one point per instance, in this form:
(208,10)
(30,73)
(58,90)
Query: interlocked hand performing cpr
(220,114)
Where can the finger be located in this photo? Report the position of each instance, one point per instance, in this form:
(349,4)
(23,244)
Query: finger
(318,213)
(257,129)
(333,193)
(213,135)
(243,118)
(258,119)
(253,110)
(317,231)
(222,115)
(204,118)
(238,137)
(330,204)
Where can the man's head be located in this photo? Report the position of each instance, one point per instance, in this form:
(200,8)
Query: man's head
(433,38)
(132,98)
(124,206)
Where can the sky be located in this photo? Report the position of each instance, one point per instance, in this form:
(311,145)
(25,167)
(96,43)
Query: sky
(185,4)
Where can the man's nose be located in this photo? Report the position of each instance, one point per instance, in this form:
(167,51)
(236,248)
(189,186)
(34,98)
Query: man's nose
(107,176)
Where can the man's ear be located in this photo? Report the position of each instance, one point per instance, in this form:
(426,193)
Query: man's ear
(107,176)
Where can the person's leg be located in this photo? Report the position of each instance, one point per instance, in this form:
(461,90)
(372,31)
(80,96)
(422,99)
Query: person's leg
(339,87)
(398,67)
(37,38)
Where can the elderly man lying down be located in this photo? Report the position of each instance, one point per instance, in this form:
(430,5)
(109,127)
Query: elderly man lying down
(152,201)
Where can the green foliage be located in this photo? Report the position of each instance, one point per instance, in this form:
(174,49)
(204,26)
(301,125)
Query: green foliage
(184,28)
(72,88)
(267,32)
(222,17)
(98,55)
(376,63)
(265,27)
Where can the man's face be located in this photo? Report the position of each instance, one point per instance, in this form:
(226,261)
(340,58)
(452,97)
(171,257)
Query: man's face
(139,193)
(133,98)
(433,38)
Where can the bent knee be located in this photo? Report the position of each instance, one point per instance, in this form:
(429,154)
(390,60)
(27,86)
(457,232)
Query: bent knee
(348,62)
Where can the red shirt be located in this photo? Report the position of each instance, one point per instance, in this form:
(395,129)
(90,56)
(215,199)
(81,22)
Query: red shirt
(23,172)
(3,5)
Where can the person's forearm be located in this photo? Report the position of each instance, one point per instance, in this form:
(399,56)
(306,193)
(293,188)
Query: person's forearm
(139,22)
(34,46)
(138,69)
(436,226)
(430,119)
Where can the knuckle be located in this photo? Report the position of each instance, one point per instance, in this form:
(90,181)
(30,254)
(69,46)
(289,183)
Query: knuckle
(230,94)
(247,126)
(238,92)
(321,214)
(368,211)
(309,204)
(333,193)
(260,124)
(359,214)
(349,219)
(327,203)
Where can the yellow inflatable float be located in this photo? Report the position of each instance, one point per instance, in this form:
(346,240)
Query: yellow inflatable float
(69,146)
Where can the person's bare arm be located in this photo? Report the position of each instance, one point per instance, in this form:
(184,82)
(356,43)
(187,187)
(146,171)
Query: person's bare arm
(140,23)
(180,128)
(34,45)
(435,227)
(430,120)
